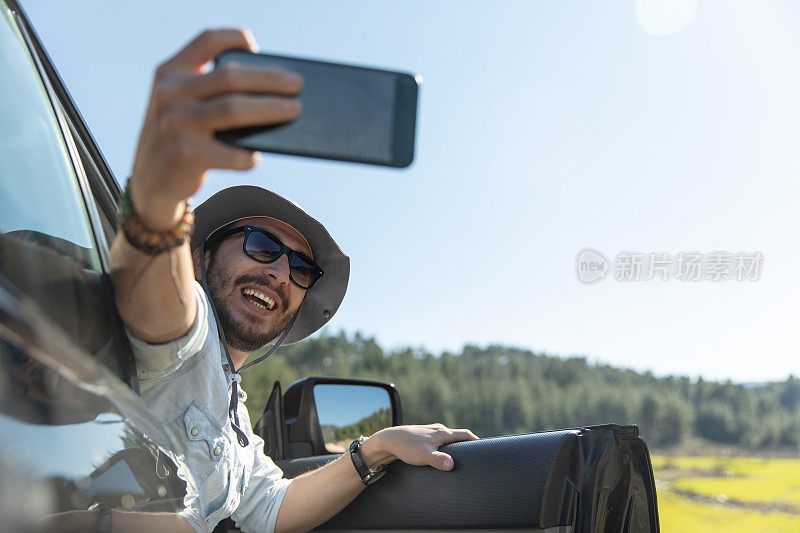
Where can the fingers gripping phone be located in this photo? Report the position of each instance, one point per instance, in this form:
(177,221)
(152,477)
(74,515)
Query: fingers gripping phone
(350,113)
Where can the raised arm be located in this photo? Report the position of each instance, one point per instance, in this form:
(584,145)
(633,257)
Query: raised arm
(176,149)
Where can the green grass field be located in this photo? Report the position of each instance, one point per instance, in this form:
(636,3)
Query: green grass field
(728,493)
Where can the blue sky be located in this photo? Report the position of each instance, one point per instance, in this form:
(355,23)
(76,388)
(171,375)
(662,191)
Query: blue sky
(544,128)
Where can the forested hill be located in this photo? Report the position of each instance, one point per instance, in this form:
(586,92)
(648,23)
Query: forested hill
(499,390)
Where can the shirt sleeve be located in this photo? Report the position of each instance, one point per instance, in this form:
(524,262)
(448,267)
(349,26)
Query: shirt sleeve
(192,516)
(191,502)
(262,499)
(156,360)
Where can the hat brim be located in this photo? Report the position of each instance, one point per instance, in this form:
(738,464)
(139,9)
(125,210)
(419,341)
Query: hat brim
(245,201)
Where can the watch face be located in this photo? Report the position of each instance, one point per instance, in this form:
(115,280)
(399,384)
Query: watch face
(354,446)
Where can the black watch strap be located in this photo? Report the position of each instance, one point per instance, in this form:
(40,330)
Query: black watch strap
(368,477)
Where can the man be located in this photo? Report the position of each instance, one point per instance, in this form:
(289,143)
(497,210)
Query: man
(271,273)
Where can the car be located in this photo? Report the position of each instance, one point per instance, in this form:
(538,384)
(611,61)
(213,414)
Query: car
(76,435)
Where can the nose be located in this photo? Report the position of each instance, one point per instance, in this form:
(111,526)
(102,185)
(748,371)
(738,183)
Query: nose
(278,270)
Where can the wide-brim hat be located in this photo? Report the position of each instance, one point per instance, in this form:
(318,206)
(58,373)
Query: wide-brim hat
(245,201)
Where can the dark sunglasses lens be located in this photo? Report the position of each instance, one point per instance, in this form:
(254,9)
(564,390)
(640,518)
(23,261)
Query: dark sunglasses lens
(262,248)
(303,272)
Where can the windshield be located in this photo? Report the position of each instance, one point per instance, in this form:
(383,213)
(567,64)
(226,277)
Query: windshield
(47,249)
(68,444)
(38,190)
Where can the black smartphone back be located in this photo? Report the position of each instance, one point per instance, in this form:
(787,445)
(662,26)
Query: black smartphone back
(350,113)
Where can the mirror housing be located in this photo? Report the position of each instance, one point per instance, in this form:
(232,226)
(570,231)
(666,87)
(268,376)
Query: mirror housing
(303,430)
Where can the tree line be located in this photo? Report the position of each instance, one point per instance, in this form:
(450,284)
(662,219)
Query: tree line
(366,426)
(498,390)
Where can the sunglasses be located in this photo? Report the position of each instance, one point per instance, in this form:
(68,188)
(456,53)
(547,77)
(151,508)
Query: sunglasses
(264,247)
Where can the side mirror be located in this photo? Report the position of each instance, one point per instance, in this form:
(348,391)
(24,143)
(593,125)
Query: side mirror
(323,415)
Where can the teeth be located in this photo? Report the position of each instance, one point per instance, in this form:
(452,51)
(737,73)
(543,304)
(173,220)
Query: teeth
(261,296)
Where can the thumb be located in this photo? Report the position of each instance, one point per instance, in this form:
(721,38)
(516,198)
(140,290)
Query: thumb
(441,461)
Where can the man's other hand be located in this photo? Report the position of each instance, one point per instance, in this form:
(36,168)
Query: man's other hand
(187,105)
(316,496)
(415,445)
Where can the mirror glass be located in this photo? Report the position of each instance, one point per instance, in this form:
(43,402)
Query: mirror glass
(347,411)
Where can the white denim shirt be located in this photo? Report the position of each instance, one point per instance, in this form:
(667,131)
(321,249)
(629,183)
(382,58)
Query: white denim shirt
(188,390)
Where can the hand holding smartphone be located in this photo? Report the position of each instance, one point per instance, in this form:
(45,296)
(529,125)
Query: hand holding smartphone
(349,113)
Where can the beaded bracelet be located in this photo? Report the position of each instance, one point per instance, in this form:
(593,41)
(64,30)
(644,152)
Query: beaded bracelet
(148,241)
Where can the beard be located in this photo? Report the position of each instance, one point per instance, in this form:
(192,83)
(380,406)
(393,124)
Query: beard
(241,334)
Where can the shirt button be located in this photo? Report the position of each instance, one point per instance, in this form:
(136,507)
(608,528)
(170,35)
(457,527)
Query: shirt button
(194,432)
(217,450)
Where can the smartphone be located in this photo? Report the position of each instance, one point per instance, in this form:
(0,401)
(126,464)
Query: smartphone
(350,113)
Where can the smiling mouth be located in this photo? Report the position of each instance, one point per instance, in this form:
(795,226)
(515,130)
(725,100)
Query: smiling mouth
(259,299)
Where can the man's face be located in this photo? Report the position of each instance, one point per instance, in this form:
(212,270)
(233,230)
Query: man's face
(255,301)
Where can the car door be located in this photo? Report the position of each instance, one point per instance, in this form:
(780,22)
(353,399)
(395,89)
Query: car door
(596,478)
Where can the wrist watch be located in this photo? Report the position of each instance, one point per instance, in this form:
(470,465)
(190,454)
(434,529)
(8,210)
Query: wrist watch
(103,517)
(368,477)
